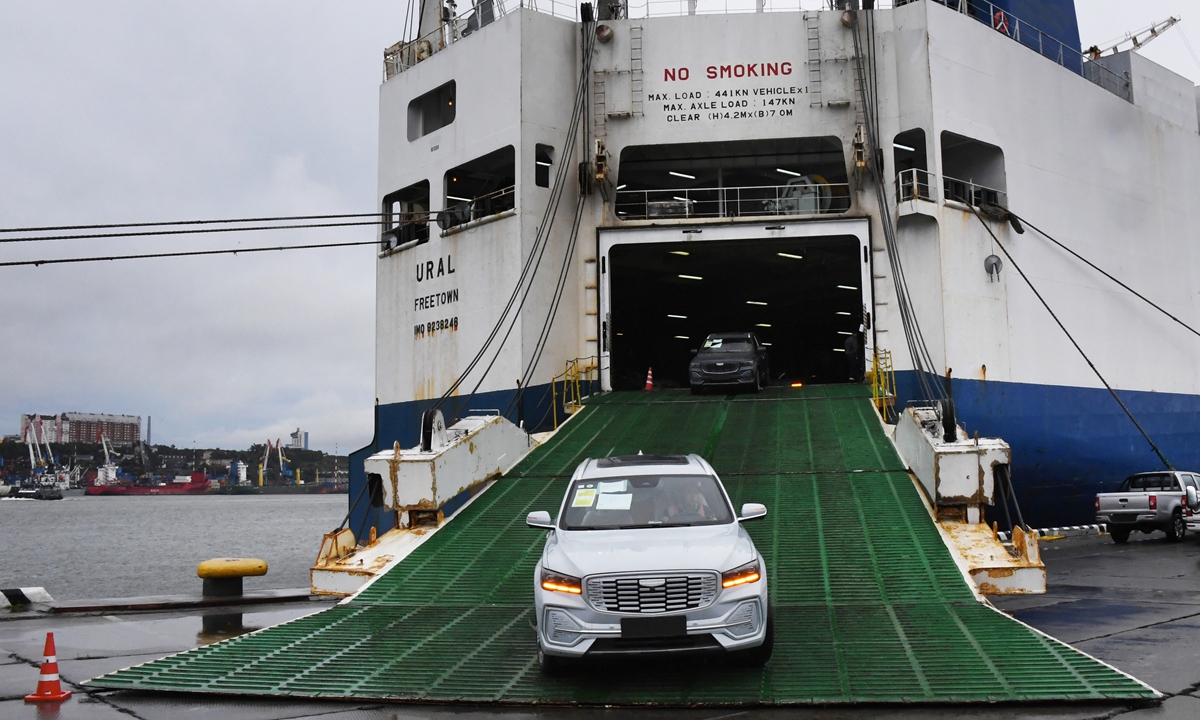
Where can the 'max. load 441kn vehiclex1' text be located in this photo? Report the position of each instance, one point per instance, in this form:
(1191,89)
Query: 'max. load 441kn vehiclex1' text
(647,556)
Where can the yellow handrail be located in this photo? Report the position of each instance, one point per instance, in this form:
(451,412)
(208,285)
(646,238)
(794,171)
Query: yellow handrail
(883,382)
(577,372)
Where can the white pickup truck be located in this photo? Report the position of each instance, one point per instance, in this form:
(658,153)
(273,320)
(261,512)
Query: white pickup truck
(1151,501)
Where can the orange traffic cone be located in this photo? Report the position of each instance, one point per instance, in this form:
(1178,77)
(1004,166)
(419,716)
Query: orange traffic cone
(650,379)
(49,689)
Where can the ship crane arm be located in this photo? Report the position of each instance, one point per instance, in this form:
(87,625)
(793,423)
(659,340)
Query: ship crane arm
(1136,40)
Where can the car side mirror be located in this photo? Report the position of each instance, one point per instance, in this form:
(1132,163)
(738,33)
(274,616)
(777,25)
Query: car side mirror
(753,511)
(694,351)
(1191,496)
(539,519)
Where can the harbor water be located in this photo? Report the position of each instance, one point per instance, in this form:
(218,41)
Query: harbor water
(94,547)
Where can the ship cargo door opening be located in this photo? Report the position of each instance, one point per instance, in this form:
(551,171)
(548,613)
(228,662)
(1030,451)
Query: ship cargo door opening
(799,287)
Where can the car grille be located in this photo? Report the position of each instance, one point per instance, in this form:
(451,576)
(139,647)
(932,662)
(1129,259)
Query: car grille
(652,593)
(724,367)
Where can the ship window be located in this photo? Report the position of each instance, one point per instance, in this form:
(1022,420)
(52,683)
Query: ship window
(543,159)
(782,176)
(480,188)
(431,111)
(972,171)
(406,217)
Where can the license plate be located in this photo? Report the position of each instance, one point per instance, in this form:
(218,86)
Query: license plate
(654,627)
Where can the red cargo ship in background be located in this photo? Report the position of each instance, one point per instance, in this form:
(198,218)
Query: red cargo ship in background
(197,484)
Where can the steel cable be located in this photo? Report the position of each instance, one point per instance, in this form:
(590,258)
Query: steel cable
(1093,266)
(538,249)
(1072,339)
(184,253)
(918,349)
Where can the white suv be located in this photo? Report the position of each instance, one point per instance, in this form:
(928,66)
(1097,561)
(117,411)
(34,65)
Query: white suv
(647,556)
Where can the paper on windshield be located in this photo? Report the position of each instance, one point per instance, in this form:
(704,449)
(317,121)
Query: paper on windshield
(614,501)
(584,497)
(615,486)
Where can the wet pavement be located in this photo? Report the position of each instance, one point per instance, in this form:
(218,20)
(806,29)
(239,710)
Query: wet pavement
(1136,607)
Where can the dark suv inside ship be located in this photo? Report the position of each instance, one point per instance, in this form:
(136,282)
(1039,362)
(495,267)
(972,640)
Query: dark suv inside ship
(730,360)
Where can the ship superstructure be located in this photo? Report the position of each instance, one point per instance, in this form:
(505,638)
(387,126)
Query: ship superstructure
(613,191)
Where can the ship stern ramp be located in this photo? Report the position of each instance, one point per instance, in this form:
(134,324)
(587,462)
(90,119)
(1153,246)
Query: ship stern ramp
(870,604)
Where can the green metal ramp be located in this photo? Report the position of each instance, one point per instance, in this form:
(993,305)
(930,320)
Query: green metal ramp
(869,605)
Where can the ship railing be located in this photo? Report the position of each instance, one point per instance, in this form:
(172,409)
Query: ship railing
(914,184)
(731,202)
(453,28)
(407,53)
(969,193)
(462,210)
(1046,45)
(670,8)
(577,382)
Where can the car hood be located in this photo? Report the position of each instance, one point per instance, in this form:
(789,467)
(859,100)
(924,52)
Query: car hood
(591,552)
(734,356)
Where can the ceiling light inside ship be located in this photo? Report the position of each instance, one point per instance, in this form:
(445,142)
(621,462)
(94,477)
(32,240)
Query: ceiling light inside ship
(747,283)
(847,287)
(461,199)
(789,172)
(620,187)
(905,148)
(682,175)
(844,313)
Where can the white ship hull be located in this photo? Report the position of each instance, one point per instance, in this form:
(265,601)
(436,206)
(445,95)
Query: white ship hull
(1111,171)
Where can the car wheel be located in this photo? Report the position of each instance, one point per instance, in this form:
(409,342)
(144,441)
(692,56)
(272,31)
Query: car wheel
(758,656)
(552,665)
(1120,537)
(1178,527)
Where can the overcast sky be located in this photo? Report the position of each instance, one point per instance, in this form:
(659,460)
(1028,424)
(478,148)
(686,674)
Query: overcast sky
(124,111)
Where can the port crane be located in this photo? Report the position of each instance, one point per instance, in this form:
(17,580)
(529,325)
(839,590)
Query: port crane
(1137,40)
(106,474)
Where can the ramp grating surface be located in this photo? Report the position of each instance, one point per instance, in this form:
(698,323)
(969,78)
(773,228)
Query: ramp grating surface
(869,605)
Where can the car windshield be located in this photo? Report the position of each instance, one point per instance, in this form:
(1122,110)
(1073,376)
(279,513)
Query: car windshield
(1149,482)
(645,501)
(727,345)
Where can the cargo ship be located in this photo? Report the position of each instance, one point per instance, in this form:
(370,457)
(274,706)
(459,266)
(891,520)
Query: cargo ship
(586,192)
(195,484)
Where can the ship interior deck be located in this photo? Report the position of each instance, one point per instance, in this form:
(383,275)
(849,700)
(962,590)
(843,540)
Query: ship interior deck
(870,606)
(800,296)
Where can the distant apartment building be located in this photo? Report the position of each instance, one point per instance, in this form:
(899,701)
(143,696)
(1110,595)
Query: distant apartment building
(82,427)
(299,440)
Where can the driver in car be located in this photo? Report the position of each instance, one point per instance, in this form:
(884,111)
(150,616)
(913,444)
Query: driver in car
(689,504)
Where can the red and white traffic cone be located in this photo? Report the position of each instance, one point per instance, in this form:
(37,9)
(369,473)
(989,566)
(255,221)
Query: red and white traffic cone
(650,379)
(49,688)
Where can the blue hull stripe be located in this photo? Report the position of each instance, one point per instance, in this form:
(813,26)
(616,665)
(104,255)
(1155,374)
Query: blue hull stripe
(1070,443)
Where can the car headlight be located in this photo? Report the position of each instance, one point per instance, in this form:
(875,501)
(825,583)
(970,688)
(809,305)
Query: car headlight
(744,575)
(557,582)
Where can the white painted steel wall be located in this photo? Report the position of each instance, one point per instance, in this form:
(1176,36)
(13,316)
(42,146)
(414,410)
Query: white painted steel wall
(1113,180)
